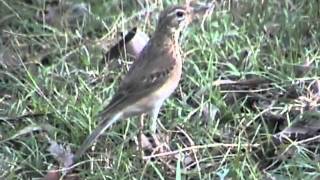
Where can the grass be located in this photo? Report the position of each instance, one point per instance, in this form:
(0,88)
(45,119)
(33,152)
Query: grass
(52,86)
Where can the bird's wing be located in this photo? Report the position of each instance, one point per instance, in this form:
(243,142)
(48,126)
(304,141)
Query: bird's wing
(149,72)
(146,75)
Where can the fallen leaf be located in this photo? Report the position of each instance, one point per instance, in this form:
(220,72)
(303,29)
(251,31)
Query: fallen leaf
(63,156)
(53,174)
(210,113)
(302,70)
(131,43)
(64,14)
(304,126)
(271,29)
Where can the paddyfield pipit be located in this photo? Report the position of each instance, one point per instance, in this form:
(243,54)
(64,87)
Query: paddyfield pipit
(153,76)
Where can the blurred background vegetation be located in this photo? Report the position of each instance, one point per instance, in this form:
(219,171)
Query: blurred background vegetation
(247,106)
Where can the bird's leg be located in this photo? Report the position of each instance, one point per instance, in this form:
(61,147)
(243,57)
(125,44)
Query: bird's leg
(141,126)
(154,117)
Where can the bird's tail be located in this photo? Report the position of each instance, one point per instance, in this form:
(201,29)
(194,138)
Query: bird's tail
(105,124)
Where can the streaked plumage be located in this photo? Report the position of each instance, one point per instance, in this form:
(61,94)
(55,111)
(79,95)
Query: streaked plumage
(152,77)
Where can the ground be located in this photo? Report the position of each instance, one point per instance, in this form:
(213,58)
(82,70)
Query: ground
(246,108)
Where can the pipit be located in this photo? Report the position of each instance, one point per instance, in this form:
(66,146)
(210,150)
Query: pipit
(153,76)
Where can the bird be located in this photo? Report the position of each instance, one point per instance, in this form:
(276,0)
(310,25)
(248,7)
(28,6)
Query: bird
(152,77)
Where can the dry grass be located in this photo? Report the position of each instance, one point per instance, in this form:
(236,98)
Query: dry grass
(247,106)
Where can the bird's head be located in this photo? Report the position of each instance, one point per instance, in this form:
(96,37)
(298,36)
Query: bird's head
(174,19)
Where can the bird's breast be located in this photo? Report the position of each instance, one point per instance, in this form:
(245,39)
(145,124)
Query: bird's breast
(167,88)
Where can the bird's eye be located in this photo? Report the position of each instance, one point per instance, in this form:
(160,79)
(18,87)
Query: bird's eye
(179,14)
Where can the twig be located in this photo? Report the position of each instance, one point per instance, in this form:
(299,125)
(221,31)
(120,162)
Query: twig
(309,139)
(198,147)
(28,115)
